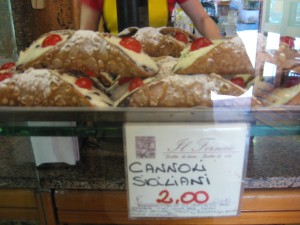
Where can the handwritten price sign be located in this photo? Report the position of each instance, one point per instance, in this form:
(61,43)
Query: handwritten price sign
(199,197)
(185,170)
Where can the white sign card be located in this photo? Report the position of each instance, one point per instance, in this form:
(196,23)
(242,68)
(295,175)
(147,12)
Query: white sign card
(185,169)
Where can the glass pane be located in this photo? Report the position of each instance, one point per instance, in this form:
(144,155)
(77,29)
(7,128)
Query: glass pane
(77,154)
(294,15)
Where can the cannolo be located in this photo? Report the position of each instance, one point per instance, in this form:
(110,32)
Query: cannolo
(283,96)
(166,65)
(43,87)
(124,86)
(88,51)
(287,94)
(280,59)
(182,91)
(242,80)
(163,41)
(221,56)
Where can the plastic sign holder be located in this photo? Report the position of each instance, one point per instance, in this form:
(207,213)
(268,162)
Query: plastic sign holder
(183,170)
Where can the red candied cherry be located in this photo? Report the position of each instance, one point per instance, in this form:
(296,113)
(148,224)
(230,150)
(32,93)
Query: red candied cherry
(200,43)
(90,73)
(238,81)
(123,80)
(131,44)
(181,37)
(135,83)
(5,76)
(84,82)
(51,40)
(8,65)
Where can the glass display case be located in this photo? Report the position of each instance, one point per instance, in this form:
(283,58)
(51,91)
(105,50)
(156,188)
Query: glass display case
(69,165)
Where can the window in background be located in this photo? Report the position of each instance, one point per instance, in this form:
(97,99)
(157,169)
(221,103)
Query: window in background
(275,11)
(281,16)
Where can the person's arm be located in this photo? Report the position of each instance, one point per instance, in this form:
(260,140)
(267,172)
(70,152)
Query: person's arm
(202,21)
(89,18)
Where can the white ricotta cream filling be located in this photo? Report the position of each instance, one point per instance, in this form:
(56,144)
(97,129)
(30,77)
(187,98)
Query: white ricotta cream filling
(96,97)
(140,58)
(36,50)
(188,57)
(121,91)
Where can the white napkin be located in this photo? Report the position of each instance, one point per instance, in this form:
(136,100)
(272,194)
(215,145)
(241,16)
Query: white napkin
(243,100)
(231,103)
(54,149)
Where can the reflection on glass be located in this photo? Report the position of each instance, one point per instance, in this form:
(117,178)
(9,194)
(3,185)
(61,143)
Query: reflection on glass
(273,40)
(269,72)
(297,44)
(294,15)
(249,38)
(275,13)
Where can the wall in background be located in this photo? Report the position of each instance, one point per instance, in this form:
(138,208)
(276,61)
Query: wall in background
(30,23)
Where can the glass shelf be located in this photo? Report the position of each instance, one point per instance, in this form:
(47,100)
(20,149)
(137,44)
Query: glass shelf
(279,115)
(116,130)
(108,122)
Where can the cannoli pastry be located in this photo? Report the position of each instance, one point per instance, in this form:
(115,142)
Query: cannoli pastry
(283,96)
(287,94)
(88,51)
(126,86)
(242,80)
(107,79)
(163,41)
(43,87)
(276,60)
(166,65)
(183,91)
(221,56)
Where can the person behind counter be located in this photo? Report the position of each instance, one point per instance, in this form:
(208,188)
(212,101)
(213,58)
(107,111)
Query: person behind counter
(92,10)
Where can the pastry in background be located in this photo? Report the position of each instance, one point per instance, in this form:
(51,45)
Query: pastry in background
(283,96)
(163,41)
(274,61)
(288,93)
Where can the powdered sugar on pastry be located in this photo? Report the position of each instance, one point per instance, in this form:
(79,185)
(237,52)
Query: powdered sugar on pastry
(157,42)
(91,39)
(166,64)
(152,35)
(32,80)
